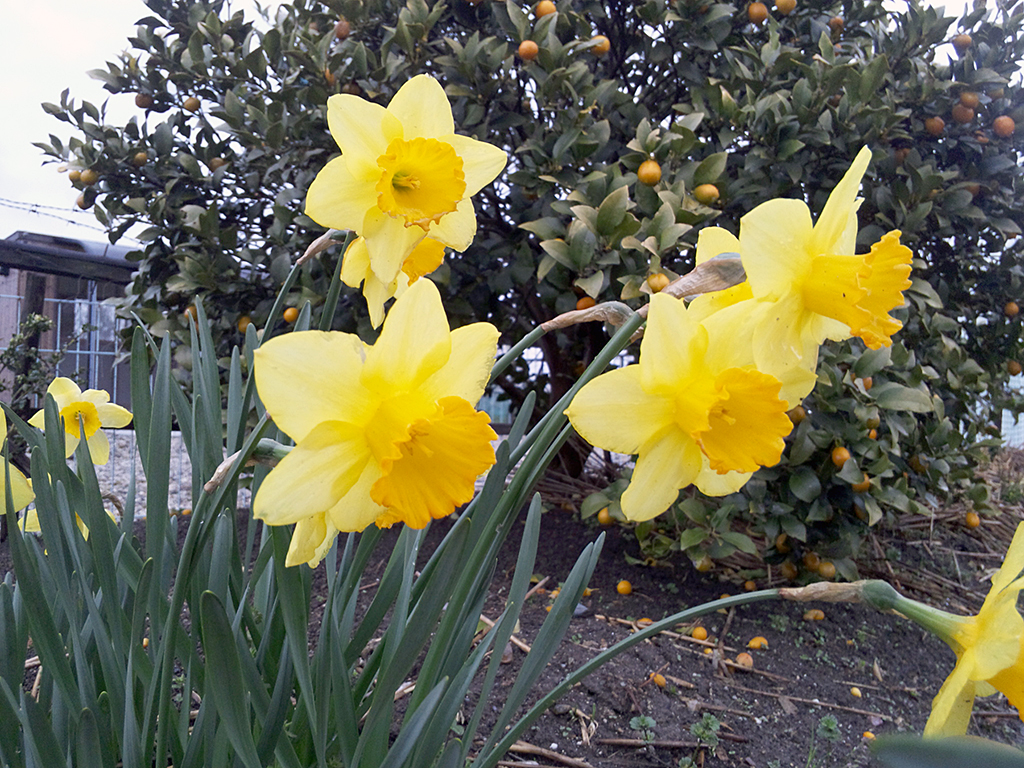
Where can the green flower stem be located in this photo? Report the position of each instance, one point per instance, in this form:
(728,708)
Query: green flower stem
(277,309)
(506,360)
(552,422)
(943,625)
(491,760)
(334,292)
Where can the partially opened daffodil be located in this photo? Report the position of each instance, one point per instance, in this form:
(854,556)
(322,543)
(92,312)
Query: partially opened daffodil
(989,647)
(384,433)
(806,283)
(404,174)
(21,489)
(691,413)
(93,408)
(356,270)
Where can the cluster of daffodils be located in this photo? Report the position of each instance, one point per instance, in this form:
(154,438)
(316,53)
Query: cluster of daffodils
(706,403)
(403,184)
(385,433)
(388,432)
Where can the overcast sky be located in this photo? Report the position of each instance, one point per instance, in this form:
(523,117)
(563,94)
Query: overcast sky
(49,46)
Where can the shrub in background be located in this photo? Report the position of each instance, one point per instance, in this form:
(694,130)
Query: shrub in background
(231,130)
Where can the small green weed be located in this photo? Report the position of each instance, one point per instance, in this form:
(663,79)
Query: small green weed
(644,726)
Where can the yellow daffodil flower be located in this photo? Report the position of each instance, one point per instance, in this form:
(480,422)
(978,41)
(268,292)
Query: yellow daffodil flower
(806,283)
(384,433)
(356,271)
(687,409)
(989,647)
(95,410)
(403,174)
(21,488)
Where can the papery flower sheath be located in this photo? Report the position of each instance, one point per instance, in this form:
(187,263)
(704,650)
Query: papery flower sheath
(808,284)
(94,409)
(687,409)
(21,489)
(989,647)
(404,174)
(384,433)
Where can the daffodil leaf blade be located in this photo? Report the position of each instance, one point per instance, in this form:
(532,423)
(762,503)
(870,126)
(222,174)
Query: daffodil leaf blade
(953,752)
(229,693)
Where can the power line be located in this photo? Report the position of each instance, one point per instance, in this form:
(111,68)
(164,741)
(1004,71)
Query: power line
(38,209)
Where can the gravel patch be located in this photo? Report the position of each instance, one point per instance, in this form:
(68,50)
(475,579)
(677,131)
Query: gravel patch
(116,477)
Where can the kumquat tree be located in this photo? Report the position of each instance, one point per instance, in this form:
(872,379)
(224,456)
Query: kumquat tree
(769,259)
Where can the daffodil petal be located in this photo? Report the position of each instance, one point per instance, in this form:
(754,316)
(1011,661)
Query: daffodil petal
(355,511)
(1010,682)
(413,345)
(468,368)
(62,387)
(377,295)
(998,631)
(614,412)
(38,419)
(297,369)
(99,447)
(482,162)
(355,264)
(774,336)
(832,230)
(714,241)
(422,108)
(389,243)
(362,130)
(338,199)
(318,472)
(95,396)
(21,491)
(311,539)
(1013,563)
(667,464)
(456,229)
(774,239)
(711,483)
(783,335)
(70,444)
(114,416)
(951,707)
(672,346)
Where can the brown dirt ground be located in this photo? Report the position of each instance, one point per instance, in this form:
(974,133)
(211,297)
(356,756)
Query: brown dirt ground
(768,715)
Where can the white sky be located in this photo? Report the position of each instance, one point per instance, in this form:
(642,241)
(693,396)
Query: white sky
(49,46)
